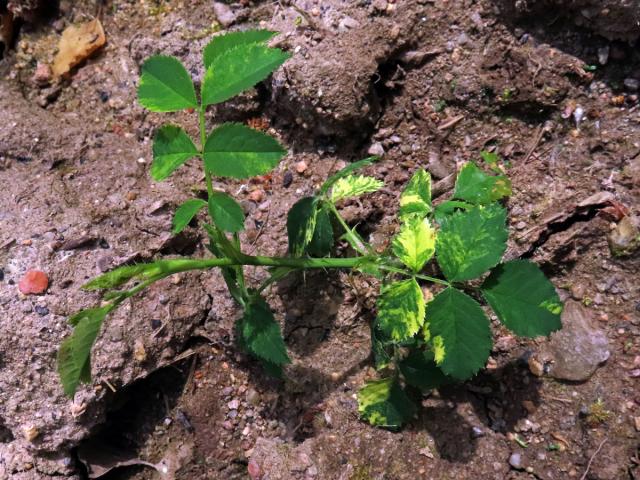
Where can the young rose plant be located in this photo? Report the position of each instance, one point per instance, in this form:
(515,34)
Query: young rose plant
(417,344)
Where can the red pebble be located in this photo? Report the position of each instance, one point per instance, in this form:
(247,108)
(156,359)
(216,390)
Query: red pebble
(34,282)
(254,470)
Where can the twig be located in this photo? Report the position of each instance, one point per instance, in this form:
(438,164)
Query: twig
(450,123)
(108,384)
(191,387)
(584,475)
(534,145)
(559,399)
(443,186)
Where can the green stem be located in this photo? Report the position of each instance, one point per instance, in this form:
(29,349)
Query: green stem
(355,240)
(417,275)
(203,140)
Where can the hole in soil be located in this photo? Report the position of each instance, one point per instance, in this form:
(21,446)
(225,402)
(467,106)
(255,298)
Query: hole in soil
(528,112)
(138,410)
(5,434)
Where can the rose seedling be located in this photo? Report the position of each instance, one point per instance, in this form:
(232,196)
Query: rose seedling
(418,342)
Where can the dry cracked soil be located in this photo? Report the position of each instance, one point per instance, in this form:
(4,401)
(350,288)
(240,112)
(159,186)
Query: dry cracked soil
(551,87)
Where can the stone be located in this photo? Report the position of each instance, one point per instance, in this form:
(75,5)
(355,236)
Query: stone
(515,460)
(579,348)
(348,23)
(254,470)
(42,75)
(376,149)
(224,14)
(301,166)
(624,239)
(34,282)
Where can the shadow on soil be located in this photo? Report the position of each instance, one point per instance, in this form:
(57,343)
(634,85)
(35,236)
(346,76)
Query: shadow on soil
(552,27)
(497,400)
(311,301)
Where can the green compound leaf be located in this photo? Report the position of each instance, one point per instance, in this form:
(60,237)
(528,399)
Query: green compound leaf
(471,242)
(322,240)
(491,159)
(223,43)
(74,355)
(415,200)
(346,171)
(384,403)
(185,213)
(165,85)
(525,301)
(400,309)
(171,148)
(238,69)
(381,347)
(226,212)
(301,224)
(461,326)
(447,207)
(234,150)
(353,186)
(419,369)
(415,243)
(475,186)
(259,333)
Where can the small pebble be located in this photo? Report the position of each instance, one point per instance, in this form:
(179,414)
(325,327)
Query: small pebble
(257,195)
(376,149)
(139,352)
(30,433)
(254,470)
(515,460)
(536,367)
(42,311)
(233,404)
(301,166)
(34,282)
(42,75)
(253,397)
(224,14)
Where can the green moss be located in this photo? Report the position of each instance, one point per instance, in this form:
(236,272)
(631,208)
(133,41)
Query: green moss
(598,413)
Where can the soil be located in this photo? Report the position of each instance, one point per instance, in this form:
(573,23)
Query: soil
(430,82)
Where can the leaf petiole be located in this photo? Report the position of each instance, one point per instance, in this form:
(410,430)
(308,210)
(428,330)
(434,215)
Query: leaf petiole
(355,240)
(389,268)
